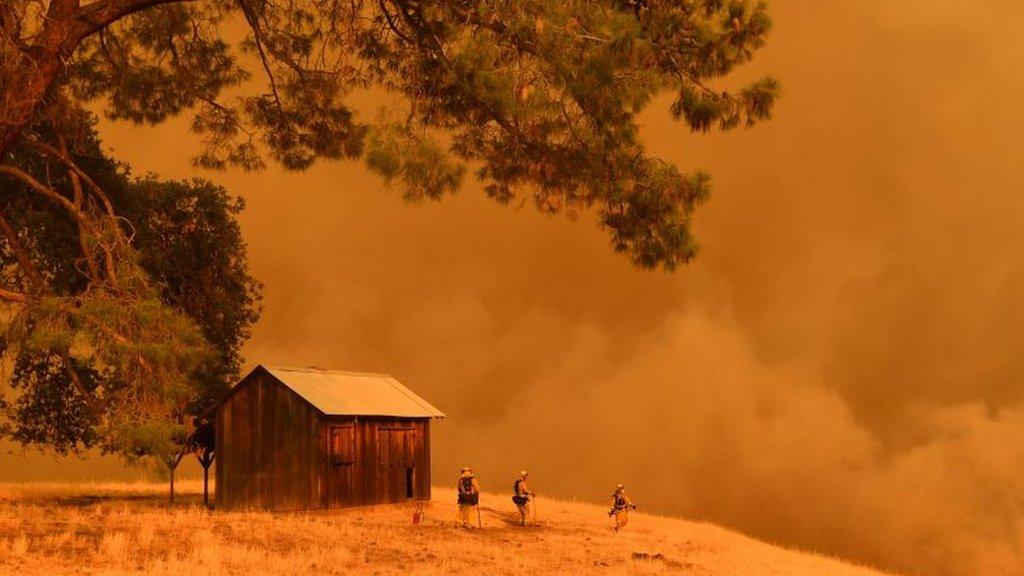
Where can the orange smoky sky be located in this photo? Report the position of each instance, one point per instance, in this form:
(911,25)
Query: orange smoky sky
(840,369)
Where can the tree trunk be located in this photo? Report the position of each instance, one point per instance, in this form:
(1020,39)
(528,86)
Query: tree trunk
(172,467)
(26,91)
(170,501)
(206,460)
(35,73)
(206,485)
(28,82)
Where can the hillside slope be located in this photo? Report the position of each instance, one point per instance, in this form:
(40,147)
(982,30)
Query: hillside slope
(128,529)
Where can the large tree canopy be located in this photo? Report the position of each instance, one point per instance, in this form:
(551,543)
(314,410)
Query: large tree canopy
(539,97)
(187,249)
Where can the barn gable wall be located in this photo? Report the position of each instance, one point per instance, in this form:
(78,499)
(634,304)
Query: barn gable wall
(269,448)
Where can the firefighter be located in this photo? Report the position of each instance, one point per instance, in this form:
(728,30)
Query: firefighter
(469,497)
(522,497)
(621,505)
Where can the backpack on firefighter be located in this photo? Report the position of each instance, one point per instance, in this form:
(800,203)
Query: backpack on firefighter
(520,494)
(468,495)
(620,502)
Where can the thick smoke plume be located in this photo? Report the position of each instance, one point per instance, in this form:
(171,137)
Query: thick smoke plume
(840,370)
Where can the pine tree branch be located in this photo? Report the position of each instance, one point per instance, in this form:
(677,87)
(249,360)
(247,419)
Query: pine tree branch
(253,20)
(63,156)
(432,43)
(44,190)
(79,198)
(77,176)
(526,46)
(96,16)
(90,399)
(391,22)
(21,255)
(75,211)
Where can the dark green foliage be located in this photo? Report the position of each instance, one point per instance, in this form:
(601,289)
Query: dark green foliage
(47,411)
(191,245)
(646,223)
(416,160)
(159,63)
(539,97)
(148,356)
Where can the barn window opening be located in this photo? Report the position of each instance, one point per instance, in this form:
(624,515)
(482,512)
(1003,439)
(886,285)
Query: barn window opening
(408,482)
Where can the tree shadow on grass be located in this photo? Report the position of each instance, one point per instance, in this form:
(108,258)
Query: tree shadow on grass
(136,500)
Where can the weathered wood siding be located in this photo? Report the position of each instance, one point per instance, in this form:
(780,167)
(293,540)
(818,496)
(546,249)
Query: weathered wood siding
(276,451)
(268,445)
(375,460)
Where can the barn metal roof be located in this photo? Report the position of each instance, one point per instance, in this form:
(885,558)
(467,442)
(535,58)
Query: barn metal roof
(340,393)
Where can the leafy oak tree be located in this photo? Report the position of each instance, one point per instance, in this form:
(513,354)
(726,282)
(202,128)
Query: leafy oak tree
(539,99)
(186,241)
(191,245)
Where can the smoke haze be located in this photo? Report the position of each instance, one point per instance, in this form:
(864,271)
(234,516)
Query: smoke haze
(839,370)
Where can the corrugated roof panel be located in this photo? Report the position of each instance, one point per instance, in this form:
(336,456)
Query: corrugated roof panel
(338,393)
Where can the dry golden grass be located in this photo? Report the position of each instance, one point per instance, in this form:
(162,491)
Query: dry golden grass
(111,529)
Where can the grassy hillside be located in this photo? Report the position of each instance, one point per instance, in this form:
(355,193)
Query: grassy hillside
(110,529)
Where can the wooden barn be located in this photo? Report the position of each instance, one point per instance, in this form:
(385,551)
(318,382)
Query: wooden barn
(302,438)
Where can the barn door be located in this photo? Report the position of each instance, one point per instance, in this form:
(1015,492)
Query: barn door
(340,466)
(396,452)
